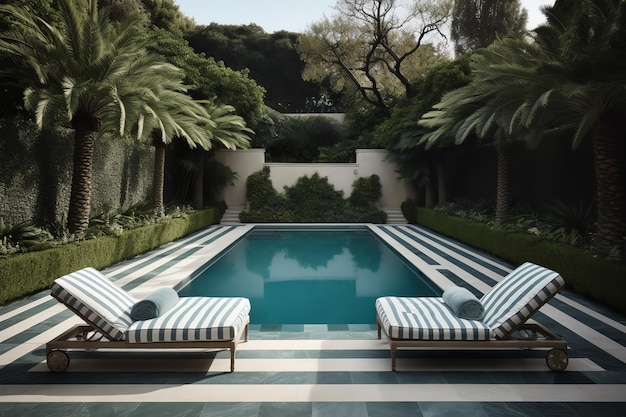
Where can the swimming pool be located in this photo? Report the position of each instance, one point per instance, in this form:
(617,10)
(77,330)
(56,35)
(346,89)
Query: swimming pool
(310,275)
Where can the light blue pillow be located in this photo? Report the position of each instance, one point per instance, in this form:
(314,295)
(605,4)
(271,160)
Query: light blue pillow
(464,304)
(154,304)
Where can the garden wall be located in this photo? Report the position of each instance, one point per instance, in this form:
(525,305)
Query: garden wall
(35,173)
(340,175)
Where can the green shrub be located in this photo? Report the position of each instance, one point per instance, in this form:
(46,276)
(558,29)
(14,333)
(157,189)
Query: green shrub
(27,273)
(314,200)
(299,138)
(366,192)
(409,211)
(259,188)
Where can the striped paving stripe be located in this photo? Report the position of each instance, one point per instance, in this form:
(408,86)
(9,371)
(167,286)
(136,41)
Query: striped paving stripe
(136,365)
(157,266)
(135,393)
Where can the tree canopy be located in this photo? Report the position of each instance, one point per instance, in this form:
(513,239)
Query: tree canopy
(478,23)
(376,48)
(91,73)
(210,79)
(270,59)
(569,79)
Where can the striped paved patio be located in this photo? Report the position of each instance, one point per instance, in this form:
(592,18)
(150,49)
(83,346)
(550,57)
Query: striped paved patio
(315,370)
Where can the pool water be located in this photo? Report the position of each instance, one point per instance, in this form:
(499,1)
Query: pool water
(310,275)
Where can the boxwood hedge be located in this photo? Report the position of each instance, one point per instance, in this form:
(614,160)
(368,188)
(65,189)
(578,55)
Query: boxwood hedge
(30,272)
(596,277)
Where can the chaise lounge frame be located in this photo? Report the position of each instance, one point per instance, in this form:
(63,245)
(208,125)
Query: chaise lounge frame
(91,336)
(527,334)
(539,337)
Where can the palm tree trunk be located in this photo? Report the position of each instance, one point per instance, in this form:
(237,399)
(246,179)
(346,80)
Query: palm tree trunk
(82,173)
(442,189)
(503,191)
(198,181)
(159,177)
(610,177)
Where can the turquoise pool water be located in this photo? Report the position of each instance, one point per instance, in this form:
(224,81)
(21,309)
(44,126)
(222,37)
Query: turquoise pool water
(310,275)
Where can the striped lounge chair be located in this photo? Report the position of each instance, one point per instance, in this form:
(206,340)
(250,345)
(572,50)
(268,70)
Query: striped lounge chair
(427,322)
(194,322)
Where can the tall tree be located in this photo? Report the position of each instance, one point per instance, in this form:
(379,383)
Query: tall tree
(228,129)
(168,115)
(375,46)
(423,168)
(573,77)
(209,79)
(166,14)
(487,109)
(477,23)
(85,71)
(271,60)
(584,45)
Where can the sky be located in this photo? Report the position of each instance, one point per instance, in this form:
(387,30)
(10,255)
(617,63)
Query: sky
(289,15)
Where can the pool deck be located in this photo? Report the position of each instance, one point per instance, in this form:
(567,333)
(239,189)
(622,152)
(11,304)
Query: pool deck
(316,370)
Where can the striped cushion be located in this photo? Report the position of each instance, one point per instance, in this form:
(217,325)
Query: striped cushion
(194,319)
(514,299)
(97,299)
(426,318)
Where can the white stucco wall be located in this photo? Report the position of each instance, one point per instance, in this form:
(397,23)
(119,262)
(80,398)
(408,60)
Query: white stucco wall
(244,163)
(368,162)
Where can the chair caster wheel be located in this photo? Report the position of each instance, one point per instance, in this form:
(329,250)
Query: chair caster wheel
(57,361)
(557,359)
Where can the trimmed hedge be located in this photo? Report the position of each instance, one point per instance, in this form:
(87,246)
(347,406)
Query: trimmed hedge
(593,276)
(30,272)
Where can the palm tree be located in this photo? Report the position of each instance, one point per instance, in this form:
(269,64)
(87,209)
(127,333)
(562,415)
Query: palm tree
(572,77)
(199,123)
(87,71)
(168,115)
(490,109)
(584,45)
(230,131)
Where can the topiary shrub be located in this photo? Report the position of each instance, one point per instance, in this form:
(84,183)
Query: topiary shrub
(259,188)
(409,211)
(366,192)
(314,200)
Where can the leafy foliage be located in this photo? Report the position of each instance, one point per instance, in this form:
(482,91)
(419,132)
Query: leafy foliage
(569,79)
(365,192)
(210,79)
(259,188)
(21,238)
(570,223)
(270,59)
(300,138)
(478,23)
(311,200)
(374,49)
(314,200)
(92,73)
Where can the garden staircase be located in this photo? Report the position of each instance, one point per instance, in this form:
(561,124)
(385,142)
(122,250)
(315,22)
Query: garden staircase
(394,215)
(231,215)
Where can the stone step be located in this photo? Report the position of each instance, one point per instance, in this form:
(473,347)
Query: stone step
(394,216)
(231,215)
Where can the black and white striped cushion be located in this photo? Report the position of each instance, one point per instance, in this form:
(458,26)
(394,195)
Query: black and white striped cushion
(426,318)
(99,300)
(514,299)
(194,319)
(509,303)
